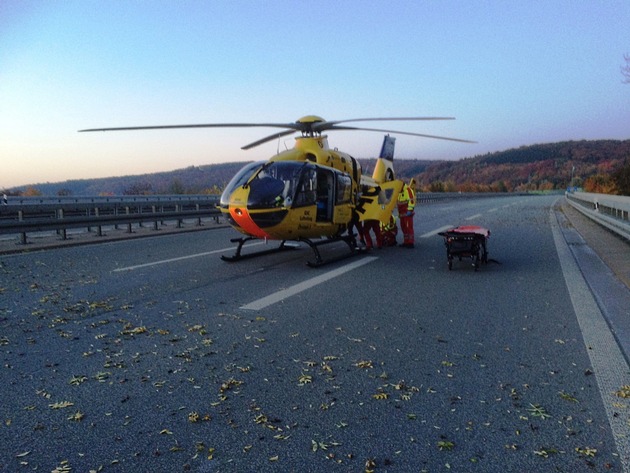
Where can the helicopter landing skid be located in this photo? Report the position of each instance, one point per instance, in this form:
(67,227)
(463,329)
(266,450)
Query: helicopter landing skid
(319,261)
(241,241)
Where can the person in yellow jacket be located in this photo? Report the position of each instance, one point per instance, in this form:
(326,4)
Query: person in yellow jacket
(406,206)
(389,231)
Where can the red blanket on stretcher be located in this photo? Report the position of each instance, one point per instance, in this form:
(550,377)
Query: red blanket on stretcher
(471,229)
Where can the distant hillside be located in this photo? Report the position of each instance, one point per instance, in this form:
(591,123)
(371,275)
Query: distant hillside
(536,167)
(191,180)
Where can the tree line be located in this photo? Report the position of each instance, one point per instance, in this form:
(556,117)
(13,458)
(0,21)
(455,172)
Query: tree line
(601,166)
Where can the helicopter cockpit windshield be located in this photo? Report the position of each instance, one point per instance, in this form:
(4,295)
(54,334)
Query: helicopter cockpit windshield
(240,179)
(275,185)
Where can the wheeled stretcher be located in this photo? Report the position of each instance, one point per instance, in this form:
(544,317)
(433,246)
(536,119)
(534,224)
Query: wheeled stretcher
(467,241)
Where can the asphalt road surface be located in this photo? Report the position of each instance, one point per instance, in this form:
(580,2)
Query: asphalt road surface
(154,355)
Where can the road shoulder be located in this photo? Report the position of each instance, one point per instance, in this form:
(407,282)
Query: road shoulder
(601,303)
(612,249)
(604,261)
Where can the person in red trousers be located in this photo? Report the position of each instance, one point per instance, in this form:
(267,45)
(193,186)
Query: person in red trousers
(389,232)
(372,226)
(406,206)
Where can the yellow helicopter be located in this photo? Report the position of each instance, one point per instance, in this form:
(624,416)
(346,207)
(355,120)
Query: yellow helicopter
(310,193)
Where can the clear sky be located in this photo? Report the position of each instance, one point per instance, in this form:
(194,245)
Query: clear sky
(512,73)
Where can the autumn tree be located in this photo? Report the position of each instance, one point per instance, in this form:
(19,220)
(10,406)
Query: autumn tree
(499,186)
(599,184)
(32,192)
(139,188)
(214,190)
(621,178)
(176,187)
(436,186)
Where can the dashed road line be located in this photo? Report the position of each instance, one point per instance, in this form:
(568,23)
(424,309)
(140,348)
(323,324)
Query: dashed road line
(181,258)
(303,286)
(436,231)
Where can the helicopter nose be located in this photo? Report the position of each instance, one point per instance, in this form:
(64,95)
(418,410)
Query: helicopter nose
(244,220)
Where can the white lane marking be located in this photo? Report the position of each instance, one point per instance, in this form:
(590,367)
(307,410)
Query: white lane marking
(181,258)
(493,210)
(609,364)
(472,217)
(303,286)
(437,230)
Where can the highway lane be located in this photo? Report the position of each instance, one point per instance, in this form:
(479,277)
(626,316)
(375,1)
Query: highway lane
(154,354)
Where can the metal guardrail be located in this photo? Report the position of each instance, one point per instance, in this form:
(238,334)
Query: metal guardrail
(428,197)
(23,215)
(611,211)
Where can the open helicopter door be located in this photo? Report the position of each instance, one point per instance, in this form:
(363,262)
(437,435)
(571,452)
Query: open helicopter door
(379,198)
(343,199)
(377,203)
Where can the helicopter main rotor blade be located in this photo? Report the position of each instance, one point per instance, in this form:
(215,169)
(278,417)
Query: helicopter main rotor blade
(333,124)
(298,126)
(310,126)
(404,133)
(318,127)
(268,138)
(293,126)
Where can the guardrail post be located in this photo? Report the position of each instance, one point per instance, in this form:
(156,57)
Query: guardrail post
(22,238)
(62,232)
(178,209)
(199,224)
(162,213)
(127,212)
(155,222)
(99,228)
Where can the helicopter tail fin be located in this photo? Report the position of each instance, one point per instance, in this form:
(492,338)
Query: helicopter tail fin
(384,169)
(387,150)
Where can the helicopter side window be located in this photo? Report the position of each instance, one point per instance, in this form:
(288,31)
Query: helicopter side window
(344,189)
(325,191)
(306,192)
